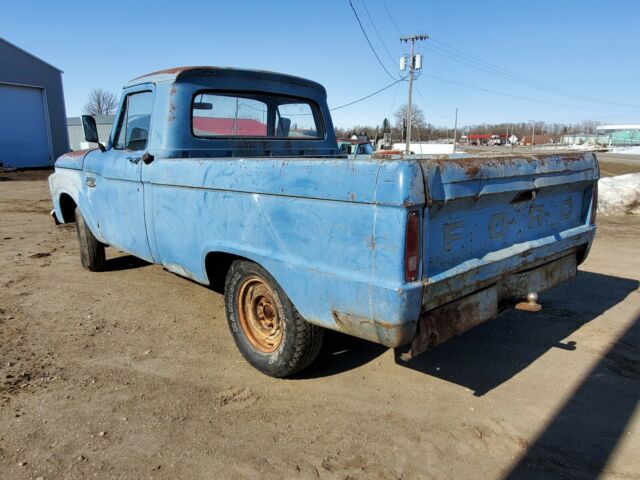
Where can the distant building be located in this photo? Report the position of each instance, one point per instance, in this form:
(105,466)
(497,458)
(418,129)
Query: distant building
(607,135)
(580,138)
(485,138)
(360,138)
(76,133)
(537,139)
(620,135)
(32,114)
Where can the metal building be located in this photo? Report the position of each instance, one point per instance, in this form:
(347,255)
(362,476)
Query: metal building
(33,130)
(76,133)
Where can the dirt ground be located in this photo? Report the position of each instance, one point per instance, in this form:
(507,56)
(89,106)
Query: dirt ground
(132,373)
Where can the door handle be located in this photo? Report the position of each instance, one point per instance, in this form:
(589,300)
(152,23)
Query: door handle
(134,160)
(147,158)
(91,182)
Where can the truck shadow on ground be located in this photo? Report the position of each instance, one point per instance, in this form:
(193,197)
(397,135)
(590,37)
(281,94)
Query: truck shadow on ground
(492,353)
(124,262)
(341,353)
(583,432)
(579,440)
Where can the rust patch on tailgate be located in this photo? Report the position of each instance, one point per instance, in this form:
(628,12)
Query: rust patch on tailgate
(473,165)
(472,170)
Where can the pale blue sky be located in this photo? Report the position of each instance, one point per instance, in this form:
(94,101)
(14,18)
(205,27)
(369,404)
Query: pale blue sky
(584,48)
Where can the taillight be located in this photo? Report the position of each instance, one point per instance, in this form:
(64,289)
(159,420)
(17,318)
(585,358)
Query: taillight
(594,204)
(412,247)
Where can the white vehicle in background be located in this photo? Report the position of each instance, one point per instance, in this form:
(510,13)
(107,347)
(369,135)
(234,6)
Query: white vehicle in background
(495,140)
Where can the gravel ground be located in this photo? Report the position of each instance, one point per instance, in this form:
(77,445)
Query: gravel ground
(132,373)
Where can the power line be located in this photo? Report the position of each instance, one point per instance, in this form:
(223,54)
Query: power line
(391,17)
(467,59)
(477,65)
(384,45)
(508,94)
(633,112)
(369,42)
(492,71)
(367,96)
(431,107)
(393,103)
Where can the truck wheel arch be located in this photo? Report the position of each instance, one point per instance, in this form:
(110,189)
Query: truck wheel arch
(67,208)
(218,263)
(216,267)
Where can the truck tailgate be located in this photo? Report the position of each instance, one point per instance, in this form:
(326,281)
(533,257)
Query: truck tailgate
(487,217)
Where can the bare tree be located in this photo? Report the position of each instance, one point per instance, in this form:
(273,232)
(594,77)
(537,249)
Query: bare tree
(417,116)
(100,102)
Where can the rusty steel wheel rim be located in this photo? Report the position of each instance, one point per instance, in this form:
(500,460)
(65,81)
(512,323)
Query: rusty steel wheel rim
(259,314)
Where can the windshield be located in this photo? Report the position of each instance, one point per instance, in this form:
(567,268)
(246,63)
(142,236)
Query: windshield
(365,149)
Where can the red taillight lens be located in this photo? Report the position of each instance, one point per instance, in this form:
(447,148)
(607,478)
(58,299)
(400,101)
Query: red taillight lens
(412,247)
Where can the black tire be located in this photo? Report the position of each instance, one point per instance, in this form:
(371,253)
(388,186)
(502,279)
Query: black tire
(92,254)
(284,349)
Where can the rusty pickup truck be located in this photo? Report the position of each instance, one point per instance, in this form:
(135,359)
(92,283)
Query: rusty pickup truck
(233,178)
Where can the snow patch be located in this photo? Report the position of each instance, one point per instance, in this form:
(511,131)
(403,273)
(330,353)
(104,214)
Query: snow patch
(619,195)
(426,148)
(627,150)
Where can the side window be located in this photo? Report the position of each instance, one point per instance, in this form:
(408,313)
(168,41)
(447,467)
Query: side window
(135,121)
(296,120)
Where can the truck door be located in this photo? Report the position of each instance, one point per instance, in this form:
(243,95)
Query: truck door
(112,178)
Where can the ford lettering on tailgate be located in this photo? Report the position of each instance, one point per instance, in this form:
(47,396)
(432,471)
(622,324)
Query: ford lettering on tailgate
(468,228)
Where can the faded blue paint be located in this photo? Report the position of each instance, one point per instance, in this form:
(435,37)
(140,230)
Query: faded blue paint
(330,230)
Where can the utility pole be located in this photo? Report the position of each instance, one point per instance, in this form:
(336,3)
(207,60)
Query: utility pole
(533,133)
(415,63)
(455,132)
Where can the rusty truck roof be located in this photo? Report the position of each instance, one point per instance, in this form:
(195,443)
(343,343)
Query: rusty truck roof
(177,73)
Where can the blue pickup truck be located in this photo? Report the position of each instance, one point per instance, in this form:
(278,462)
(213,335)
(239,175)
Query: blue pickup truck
(233,178)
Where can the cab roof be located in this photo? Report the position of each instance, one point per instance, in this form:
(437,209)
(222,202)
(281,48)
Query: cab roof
(177,73)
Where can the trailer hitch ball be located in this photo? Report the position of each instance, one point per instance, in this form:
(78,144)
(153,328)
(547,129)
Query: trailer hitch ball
(531,305)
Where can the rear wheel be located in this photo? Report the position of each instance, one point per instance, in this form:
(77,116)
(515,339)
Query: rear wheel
(267,328)
(92,254)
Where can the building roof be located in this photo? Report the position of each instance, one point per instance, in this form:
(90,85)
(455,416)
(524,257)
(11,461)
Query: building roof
(246,127)
(618,127)
(100,120)
(29,53)
(538,138)
(177,73)
(478,136)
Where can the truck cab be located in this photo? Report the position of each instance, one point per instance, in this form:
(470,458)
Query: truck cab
(356,148)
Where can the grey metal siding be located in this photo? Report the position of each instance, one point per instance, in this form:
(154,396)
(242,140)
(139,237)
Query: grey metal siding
(19,67)
(76,134)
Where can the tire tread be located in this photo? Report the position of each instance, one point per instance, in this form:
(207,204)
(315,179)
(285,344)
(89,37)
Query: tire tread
(92,254)
(307,340)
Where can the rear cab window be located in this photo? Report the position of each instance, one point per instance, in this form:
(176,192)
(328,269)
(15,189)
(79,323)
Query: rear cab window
(247,115)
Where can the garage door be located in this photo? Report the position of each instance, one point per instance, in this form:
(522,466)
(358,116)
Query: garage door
(24,138)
